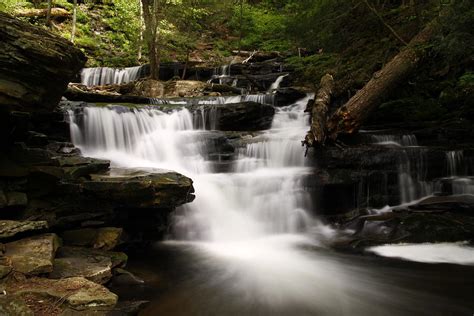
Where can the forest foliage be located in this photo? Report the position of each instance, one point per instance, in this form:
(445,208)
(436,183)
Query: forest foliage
(343,37)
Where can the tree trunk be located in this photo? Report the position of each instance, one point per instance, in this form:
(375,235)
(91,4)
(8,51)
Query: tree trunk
(351,116)
(317,134)
(54,13)
(74,18)
(48,13)
(151,11)
(140,44)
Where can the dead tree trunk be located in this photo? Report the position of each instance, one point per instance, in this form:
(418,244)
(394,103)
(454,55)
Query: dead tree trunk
(350,117)
(317,134)
(53,13)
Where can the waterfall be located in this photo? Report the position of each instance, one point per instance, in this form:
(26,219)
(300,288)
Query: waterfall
(263,196)
(104,75)
(454,162)
(276,85)
(412,167)
(221,73)
(259,98)
(412,175)
(397,140)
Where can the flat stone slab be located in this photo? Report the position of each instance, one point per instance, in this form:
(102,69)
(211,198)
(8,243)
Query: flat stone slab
(139,188)
(11,228)
(77,292)
(33,255)
(95,269)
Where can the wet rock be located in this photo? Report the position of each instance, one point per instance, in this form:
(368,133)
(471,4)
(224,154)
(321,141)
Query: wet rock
(128,308)
(41,86)
(244,116)
(123,277)
(11,228)
(138,188)
(287,96)
(453,203)
(33,255)
(105,238)
(16,199)
(77,166)
(412,227)
(76,292)
(14,306)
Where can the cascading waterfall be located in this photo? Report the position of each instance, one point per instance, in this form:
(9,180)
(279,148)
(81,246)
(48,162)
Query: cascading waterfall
(412,166)
(250,222)
(456,173)
(105,75)
(259,98)
(454,161)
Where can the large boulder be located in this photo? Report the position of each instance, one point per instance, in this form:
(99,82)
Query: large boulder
(35,65)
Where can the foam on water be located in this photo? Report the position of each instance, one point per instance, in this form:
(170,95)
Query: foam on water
(459,253)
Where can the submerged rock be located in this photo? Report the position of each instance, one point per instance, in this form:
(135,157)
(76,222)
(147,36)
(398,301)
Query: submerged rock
(35,65)
(33,255)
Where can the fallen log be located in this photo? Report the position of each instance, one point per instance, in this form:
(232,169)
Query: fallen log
(30,13)
(349,118)
(317,134)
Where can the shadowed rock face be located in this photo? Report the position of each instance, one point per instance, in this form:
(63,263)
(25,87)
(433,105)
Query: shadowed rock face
(35,65)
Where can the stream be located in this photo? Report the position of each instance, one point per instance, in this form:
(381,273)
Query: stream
(249,244)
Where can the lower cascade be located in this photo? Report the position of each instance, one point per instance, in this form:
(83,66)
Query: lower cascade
(250,228)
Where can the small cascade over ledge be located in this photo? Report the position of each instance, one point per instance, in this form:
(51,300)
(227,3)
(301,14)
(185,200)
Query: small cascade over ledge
(105,75)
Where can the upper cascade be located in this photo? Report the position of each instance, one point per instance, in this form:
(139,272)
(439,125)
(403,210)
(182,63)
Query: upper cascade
(105,75)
